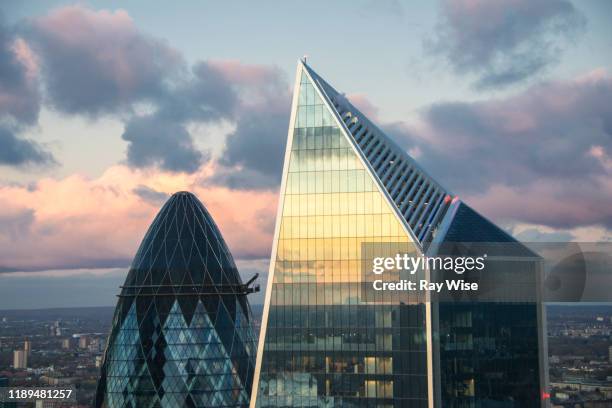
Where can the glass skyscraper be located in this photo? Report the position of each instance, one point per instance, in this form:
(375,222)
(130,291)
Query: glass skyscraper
(182,333)
(323,342)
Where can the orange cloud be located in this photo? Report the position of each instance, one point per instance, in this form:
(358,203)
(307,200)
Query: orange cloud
(81,222)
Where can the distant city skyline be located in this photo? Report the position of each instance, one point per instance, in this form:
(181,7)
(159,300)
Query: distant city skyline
(107,108)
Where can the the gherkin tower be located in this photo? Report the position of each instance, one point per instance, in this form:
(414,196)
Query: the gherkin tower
(182,333)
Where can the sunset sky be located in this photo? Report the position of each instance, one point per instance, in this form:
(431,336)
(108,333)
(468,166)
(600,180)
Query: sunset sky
(108,107)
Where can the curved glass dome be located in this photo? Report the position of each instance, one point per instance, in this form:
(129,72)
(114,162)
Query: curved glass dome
(182,333)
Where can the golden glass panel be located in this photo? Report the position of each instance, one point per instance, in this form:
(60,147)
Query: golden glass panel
(331,206)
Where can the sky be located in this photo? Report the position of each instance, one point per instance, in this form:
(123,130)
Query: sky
(107,108)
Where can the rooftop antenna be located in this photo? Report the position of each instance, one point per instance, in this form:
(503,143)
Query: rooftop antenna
(304,58)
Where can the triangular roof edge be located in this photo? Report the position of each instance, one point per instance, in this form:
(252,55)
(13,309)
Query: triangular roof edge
(420,220)
(341,125)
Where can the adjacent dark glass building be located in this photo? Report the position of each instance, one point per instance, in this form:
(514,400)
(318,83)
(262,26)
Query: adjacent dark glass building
(490,352)
(182,333)
(323,343)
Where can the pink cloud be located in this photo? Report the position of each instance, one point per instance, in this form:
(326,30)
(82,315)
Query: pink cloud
(540,156)
(104,35)
(82,222)
(261,87)
(95,60)
(19,94)
(27,58)
(546,202)
(362,103)
(238,72)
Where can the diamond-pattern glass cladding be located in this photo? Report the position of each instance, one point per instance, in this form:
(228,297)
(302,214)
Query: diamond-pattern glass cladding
(182,332)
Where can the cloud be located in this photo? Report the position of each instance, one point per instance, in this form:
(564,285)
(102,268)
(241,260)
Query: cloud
(254,97)
(98,62)
(252,156)
(361,102)
(161,139)
(549,130)
(155,142)
(72,222)
(537,235)
(253,153)
(541,155)
(561,205)
(19,101)
(204,94)
(150,195)
(244,178)
(19,96)
(504,42)
(15,151)
(16,223)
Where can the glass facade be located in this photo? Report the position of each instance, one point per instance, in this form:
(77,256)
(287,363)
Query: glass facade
(182,333)
(490,351)
(489,355)
(326,341)
(325,344)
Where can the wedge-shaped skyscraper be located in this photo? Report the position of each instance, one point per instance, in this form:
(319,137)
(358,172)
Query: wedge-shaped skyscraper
(323,342)
(182,333)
